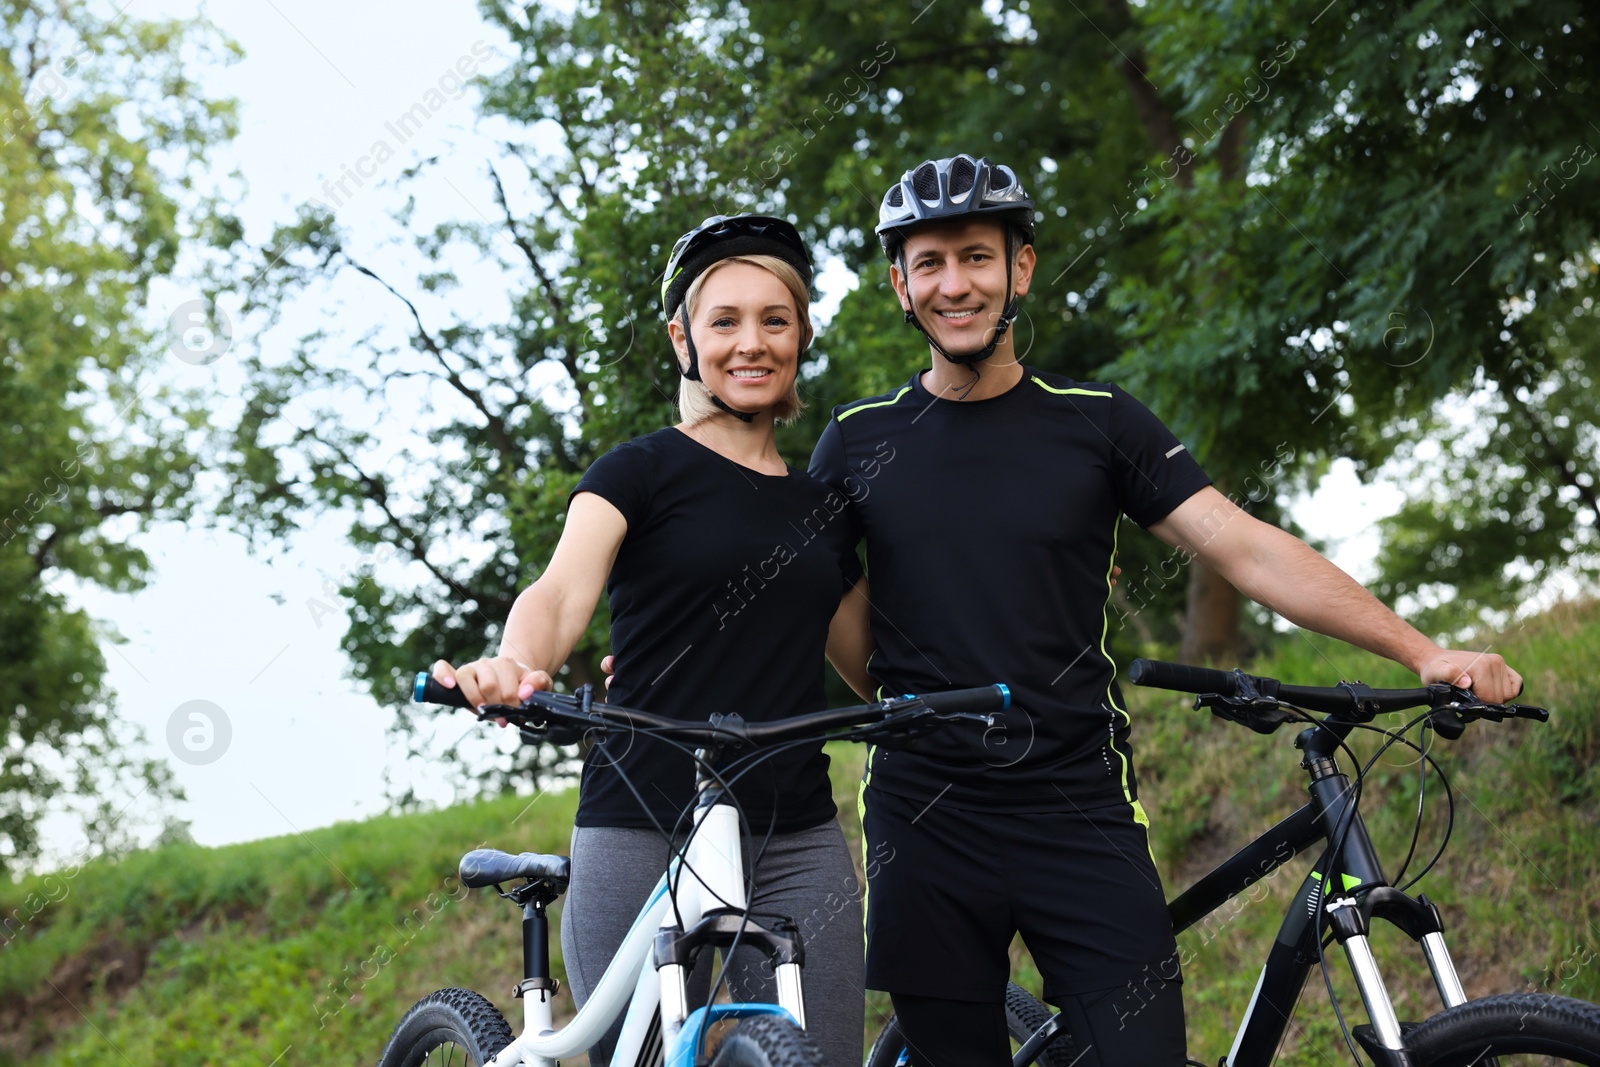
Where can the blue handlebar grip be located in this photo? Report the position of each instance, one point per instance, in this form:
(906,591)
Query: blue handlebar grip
(1005,694)
(427,690)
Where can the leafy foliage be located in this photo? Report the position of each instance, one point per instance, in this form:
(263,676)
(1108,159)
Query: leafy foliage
(1292,226)
(1293,230)
(100,132)
(514,412)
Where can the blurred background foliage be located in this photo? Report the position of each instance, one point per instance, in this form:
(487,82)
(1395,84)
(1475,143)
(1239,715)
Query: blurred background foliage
(1298,232)
(103,136)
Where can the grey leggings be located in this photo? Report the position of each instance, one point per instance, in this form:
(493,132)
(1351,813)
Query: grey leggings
(806,876)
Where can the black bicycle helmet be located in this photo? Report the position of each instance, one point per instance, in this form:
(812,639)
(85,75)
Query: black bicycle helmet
(723,237)
(954,188)
(957,188)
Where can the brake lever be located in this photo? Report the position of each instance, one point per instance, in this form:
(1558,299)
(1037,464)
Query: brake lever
(1454,707)
(1262,714)
(1529,711)
(533,723)
(899,729)
(509,712)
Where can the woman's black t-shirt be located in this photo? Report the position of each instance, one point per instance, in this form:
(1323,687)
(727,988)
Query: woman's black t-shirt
(720,598)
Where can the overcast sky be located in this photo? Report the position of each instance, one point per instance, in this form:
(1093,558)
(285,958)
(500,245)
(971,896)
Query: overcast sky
(320,84)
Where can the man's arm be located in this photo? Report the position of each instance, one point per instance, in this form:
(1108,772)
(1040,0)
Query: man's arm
(1283,573)
(850,639)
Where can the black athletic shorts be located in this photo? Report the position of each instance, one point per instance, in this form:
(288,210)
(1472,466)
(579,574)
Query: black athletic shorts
(947,889)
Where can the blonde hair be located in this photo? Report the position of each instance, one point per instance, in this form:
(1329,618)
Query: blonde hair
(694,399)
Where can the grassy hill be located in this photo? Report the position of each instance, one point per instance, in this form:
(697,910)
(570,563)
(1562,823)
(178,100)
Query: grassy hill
(306,949)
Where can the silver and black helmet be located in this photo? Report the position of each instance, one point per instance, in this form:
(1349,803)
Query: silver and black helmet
(955,188)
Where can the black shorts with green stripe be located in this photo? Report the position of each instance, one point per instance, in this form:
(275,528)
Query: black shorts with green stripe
(947,890)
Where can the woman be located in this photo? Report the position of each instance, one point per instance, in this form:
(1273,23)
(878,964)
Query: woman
(726,570)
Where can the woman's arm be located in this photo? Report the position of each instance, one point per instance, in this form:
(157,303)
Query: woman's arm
(550,615)
(850,639)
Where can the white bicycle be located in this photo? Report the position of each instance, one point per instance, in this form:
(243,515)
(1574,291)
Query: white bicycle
(699,903)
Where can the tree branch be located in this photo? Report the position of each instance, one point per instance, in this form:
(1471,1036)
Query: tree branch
(534,176)
(1230,148)
(569,357)
(545,281)
(504,442)
(415,544)
(1154,115)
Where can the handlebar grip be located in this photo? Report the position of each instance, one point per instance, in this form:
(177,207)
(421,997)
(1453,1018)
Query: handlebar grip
(427,690)
(1180,677)
(983,700)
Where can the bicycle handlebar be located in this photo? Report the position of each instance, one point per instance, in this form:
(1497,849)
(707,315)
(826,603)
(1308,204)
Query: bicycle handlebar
(570,710)
(1347,700)
(1333,699)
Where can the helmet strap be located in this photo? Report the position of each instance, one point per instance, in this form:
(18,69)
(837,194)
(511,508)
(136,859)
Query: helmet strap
(693,372)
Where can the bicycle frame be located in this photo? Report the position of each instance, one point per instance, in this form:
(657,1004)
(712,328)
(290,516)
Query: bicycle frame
(1356,890)
(647,977)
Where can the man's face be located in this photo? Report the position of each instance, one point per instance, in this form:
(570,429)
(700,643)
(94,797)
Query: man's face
(955,277)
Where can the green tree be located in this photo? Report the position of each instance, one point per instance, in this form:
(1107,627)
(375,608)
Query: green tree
(1505,492)
(1255,216)
(1258,217)
(507,415)
(101,131)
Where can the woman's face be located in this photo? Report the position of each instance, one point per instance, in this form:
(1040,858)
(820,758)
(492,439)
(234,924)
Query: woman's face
(747,336)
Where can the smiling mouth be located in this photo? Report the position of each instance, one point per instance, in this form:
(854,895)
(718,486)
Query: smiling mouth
(958,318)
(750,375)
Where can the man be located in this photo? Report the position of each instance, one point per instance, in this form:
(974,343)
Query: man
(989,495)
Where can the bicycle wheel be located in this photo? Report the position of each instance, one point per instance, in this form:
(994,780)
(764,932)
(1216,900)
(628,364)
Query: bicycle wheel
(768,1041)
(889,1050)
(1024,1015)
(1516,1028)
(451,1026)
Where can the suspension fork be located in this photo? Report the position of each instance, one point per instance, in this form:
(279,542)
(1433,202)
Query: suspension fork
(1355,881)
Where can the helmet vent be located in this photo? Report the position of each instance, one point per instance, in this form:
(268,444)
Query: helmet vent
(925,183)
(962,173)
(1000,178)
(896,198)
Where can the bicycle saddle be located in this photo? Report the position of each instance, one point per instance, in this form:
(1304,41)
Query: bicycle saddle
(488,866)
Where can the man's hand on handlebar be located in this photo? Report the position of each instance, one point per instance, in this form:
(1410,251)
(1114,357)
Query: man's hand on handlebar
(1486,674)
(500,680)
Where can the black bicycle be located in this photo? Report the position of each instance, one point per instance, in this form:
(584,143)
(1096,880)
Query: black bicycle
(1343,894)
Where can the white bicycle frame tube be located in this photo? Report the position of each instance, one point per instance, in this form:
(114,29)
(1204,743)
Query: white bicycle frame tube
(714,878)
(715,858)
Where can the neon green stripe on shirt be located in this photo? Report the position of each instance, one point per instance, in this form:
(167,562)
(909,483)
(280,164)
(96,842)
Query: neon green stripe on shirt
(1069,392)
(904,389)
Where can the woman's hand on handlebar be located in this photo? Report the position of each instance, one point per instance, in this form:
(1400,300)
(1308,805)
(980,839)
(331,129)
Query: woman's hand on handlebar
(497,680)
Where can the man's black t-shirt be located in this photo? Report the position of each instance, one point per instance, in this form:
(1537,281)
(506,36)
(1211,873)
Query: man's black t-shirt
(720,599)
(991,526)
